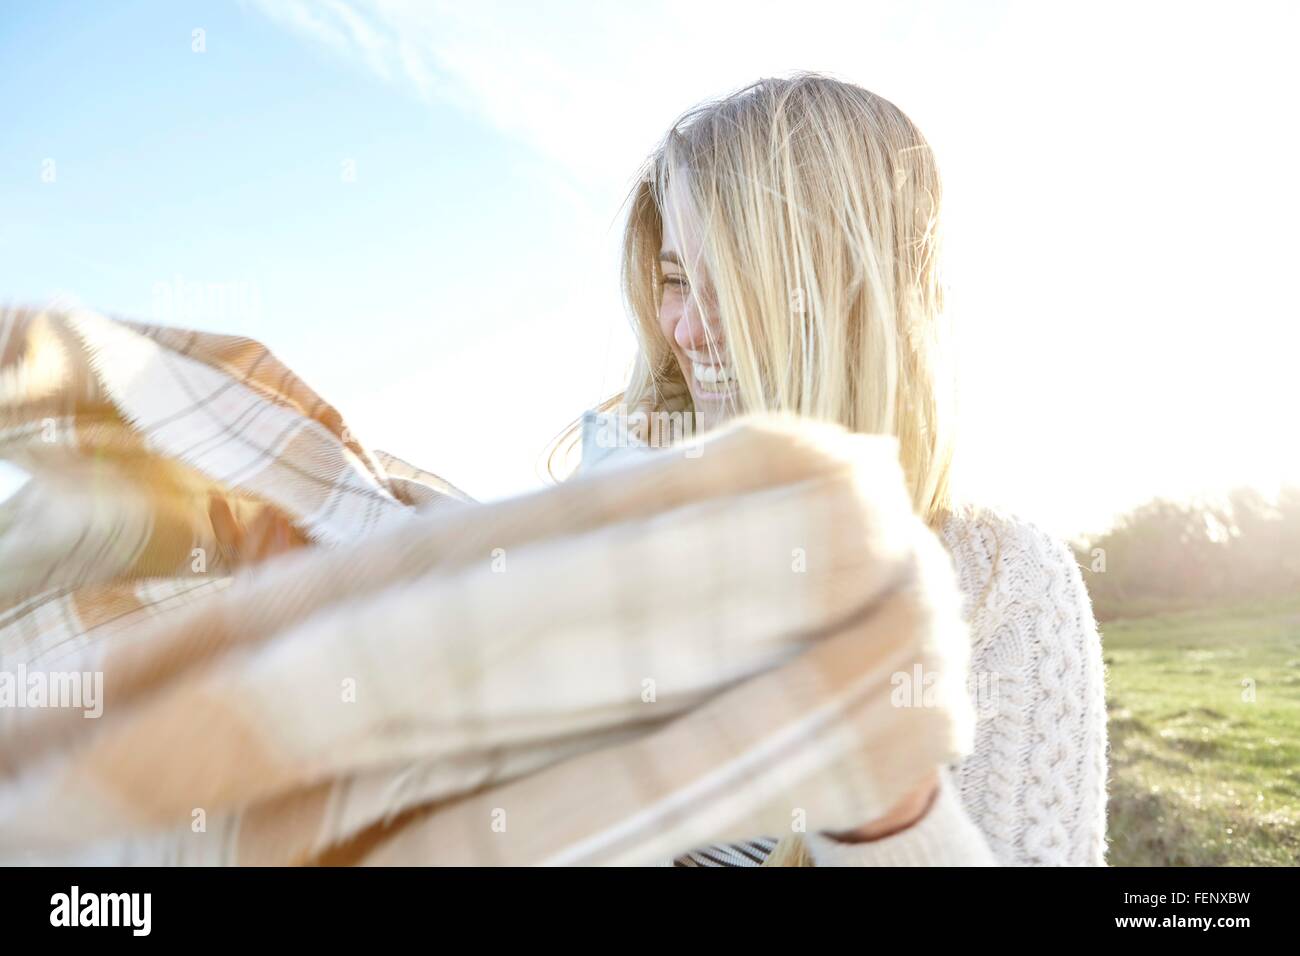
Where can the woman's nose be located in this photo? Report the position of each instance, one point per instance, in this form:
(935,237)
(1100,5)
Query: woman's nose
(691,332)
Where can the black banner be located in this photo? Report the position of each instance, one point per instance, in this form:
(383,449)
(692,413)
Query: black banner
(334,906)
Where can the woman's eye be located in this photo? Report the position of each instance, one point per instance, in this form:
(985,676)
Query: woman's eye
(677,281)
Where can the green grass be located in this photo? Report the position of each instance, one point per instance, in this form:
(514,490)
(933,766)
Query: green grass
(1200,775)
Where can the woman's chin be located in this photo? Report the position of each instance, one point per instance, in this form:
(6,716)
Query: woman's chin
(712,408)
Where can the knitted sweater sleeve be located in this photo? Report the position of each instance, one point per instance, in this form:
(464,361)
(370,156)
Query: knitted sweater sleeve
(1036,781)
(945,836)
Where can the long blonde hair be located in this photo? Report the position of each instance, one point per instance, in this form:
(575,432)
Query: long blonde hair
(817,207)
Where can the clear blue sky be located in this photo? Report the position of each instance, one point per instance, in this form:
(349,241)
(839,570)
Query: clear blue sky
(419,204)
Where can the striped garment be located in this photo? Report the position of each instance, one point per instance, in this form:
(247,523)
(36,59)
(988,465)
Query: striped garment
(745,853)
(611,671)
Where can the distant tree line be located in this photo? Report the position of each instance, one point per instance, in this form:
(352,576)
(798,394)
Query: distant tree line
(1166,555)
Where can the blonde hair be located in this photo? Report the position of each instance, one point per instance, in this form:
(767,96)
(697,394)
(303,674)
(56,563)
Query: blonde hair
(817,207)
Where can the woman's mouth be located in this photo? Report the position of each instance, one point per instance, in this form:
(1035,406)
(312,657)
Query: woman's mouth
(713,380)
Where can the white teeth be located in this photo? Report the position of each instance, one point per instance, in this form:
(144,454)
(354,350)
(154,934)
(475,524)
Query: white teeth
(713,374)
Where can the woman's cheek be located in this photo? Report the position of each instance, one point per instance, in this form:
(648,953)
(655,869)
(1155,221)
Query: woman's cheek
(670,313)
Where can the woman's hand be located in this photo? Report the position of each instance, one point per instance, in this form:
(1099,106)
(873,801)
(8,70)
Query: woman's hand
(267,535)
(901,815)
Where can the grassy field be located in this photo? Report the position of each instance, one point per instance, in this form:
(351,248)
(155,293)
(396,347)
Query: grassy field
(1201,774)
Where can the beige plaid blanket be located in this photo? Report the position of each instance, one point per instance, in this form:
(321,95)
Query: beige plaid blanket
(746,640)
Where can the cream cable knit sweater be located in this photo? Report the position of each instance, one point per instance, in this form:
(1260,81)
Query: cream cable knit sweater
(1033,791)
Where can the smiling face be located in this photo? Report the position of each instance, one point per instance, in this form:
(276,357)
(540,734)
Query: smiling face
(688,318)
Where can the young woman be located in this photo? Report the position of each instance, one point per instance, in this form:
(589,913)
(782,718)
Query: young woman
(782,253)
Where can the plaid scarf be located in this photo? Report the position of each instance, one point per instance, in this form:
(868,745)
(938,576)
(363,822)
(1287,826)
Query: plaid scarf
(693,650)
